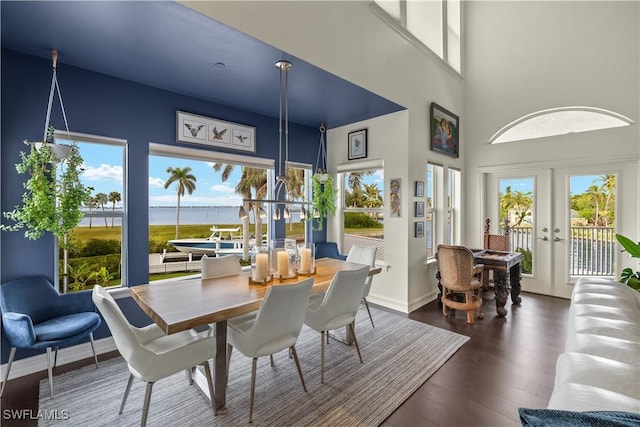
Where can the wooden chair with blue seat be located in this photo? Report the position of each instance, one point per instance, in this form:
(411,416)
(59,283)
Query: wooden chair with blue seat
(36,316)
(328,250)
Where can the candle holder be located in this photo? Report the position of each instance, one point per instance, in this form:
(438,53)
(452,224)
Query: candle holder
(283,259)
(260,271)
(306,262)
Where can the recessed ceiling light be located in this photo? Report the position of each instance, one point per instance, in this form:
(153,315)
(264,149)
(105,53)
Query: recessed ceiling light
(220,65)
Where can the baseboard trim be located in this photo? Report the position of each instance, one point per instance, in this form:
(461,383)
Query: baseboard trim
(423,300)
(33,364)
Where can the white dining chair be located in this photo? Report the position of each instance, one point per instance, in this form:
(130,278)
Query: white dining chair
(220,266)
(150,354)
(364,255)
(276,327)
(337,307)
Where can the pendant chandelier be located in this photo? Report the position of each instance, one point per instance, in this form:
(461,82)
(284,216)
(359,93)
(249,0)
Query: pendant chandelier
(282,189)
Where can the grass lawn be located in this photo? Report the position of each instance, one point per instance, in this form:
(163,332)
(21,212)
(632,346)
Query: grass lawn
(163,233)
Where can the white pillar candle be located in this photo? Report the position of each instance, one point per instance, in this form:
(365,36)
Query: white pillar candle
(305,260)
(262,266)
(283,263)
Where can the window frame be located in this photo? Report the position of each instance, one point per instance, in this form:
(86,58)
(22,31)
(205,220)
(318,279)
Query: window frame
(83,138)
(400,26)
(342,171)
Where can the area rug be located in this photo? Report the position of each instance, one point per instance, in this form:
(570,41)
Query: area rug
(399,355)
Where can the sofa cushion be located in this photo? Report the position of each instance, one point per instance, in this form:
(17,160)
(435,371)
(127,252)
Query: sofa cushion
(625,351)
(598,371)
(553,417)
(621,329)
(581,397)
(607,312)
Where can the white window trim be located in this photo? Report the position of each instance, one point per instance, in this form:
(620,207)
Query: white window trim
(124,251)
(399,28)
(203,154)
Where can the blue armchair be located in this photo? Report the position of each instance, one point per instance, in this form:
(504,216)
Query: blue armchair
(35,316)
(328,250)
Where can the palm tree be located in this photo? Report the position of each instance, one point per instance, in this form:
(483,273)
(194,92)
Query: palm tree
(608,187)
(517,202)
(114,197)
(251,179)
(101,199)
(297,187)
(186,182)
(90,203)
(373,199)
(595,194)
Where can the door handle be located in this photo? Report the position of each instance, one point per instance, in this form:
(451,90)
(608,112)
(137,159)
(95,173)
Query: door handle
(557,239)
(544,239)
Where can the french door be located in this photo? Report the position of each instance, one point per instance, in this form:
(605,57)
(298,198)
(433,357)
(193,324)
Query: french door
(558,243)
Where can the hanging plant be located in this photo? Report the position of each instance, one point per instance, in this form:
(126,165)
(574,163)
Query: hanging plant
(324,190)
(324,198)
(54,194)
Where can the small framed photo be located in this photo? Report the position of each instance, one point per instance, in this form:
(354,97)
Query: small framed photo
(357,145)
(419,229)
(419,188)
(419,209)
(444,131)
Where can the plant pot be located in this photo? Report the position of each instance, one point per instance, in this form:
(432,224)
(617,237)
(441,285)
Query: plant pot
(323,177)
(59,151)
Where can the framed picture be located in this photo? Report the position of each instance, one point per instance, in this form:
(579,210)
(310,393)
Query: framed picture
(419,188)
(444,131)
(395,188)
(214,132)
(357,148)
(419,209)
(419,229)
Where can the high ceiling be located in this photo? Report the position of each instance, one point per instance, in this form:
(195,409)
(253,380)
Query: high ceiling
(169,46)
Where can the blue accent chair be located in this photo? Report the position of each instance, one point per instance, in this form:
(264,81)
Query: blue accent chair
(328,250)
(35,316)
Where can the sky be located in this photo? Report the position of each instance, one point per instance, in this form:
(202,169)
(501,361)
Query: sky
(103,171)
(578,184)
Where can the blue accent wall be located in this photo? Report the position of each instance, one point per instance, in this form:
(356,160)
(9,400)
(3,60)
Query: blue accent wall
(102,105)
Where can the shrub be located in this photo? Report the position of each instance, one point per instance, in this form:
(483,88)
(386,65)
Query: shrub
(526,267)
(360,220)
(95,247)
(157,246)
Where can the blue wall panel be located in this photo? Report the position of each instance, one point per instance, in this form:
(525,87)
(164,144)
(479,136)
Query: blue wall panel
(102,105)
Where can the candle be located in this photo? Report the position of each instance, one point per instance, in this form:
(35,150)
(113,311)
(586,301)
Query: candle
(305,260)
(262,266)
(283,263)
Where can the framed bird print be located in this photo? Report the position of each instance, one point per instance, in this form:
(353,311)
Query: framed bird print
(214,132)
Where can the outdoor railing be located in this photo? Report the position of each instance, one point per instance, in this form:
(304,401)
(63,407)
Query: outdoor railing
(592,249)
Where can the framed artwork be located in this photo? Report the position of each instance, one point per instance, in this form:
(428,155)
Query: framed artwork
(419,232)
(395,197)
(444,131)
(357,144)
(214,132)
(419,209)
(419,189)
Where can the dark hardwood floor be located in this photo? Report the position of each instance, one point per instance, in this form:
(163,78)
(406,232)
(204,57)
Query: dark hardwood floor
(508,363)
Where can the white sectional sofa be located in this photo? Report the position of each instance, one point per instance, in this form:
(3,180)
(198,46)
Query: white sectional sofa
(600,367)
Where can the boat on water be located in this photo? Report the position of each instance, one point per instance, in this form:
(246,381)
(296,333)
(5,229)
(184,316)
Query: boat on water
(219,242)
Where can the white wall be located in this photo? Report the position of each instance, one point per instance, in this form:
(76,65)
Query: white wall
(528,56)
(346,38)
(519,57)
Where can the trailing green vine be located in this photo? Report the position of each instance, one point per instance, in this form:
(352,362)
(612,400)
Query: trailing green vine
(324,199)
(54,194)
